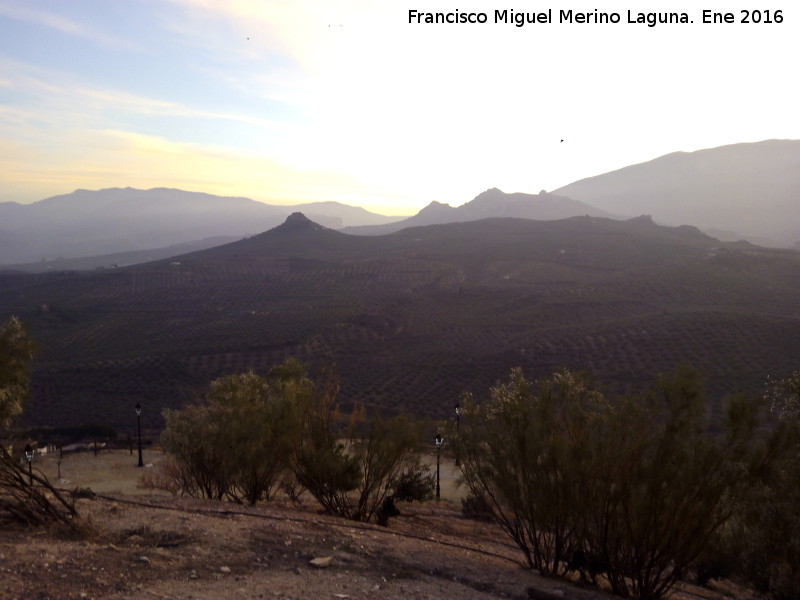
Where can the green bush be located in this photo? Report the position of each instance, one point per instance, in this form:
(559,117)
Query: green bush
(415,483)
(238,442)
(637,488)
(350,474)
(768,526)
(16,356)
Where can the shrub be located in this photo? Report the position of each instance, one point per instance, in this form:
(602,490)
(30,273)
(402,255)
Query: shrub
(351,475)
(16,355)
(415,483)
(525,453)
(768,527)
(28,497)
(634,490)
(236,444)
(476,507)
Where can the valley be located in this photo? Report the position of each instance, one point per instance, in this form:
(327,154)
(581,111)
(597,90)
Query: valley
(412,319)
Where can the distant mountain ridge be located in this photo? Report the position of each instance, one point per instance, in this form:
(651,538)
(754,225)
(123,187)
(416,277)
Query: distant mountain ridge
(491,203)
(750,191)
(740,191)
(90,223)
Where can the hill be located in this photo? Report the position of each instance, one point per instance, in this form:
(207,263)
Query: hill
(411,319)
(489,204)
(92,223)
(750,189)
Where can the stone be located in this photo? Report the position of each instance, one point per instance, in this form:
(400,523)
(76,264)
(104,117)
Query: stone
(321,562)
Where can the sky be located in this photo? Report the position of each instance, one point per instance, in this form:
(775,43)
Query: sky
(291,101)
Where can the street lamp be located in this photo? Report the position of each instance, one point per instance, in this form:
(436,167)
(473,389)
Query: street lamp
(458,422)
(438,440)
(29,456)
(138,409)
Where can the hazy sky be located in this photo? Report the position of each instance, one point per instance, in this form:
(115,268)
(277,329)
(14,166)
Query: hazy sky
(290,101)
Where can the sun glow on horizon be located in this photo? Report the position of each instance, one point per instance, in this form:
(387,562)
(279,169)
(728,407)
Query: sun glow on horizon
(308,101)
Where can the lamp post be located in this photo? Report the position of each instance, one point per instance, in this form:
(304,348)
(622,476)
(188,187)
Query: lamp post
(29,456)
(458,422)
(438,440)
(139,430)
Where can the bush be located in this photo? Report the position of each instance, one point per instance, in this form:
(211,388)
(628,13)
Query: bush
(352,475)
(236,444)
(28,497)
(16,355)
(769,524)
(525,453)
(416,483)
(638,487)
(476,507)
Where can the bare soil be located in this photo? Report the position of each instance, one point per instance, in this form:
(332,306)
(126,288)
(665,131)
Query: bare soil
(137,544)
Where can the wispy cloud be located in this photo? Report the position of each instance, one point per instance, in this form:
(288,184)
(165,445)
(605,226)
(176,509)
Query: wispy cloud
(50,20)
(51,91)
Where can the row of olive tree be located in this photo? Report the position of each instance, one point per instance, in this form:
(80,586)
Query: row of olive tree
(252,431)
(634,491)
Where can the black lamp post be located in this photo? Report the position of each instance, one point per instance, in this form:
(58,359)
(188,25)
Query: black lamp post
(458,422)
(438,440)
(139,430)
(29,456)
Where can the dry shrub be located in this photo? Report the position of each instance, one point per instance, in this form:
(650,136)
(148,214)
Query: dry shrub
(164,476)
(30,499)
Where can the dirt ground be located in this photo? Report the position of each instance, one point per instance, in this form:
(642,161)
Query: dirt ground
(138,544)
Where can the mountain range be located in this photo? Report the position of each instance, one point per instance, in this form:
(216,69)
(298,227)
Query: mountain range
(92,223)
(412,319)
(740,191)
(491,203)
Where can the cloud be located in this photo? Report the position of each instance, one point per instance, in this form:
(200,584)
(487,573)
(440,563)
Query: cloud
(55,97)
(43,18)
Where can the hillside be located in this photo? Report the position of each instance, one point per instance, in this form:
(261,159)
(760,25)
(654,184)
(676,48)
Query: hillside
(492,203)
(746,190)
(411,319)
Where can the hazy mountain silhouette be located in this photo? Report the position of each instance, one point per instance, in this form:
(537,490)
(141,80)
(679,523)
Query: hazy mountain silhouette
(491,203)
(411,319)
(90,223)
(749,190)
(118,259)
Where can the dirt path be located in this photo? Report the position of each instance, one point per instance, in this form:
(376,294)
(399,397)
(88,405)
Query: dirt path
(140,545)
